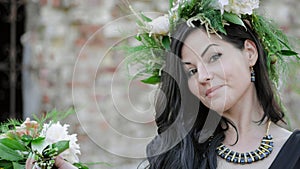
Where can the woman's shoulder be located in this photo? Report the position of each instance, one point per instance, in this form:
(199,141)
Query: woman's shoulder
(280,134)
(284,134)
(289,155)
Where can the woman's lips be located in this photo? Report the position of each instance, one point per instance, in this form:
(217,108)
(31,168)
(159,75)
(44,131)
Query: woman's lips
(211,90)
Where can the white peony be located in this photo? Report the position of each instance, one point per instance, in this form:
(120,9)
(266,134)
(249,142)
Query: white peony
(160,25)
(238,7)
(220,5)
(56,132)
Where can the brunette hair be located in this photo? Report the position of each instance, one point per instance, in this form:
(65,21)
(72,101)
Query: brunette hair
(188,131)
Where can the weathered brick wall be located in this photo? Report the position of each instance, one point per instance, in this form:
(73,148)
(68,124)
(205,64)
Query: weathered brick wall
(72,63)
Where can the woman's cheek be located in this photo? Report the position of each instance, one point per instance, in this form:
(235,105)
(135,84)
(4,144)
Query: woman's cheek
(194,87)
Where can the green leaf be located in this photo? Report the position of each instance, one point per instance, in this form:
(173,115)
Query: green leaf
(233,18)
(137,37)
(6,164)
(151,80)
(148,40)
(61,145)
(54,116)
(38,140)
(214,18)
(13,144)
(38,146)
(26,138)
(56,148)
(136,49)
(288,53)
(284,43)
(18,166)
(140,23)
(145,18)
(9,125)
(93,164)
(171,4)
(80,166)
(166,42)
(9,154)
(222,30)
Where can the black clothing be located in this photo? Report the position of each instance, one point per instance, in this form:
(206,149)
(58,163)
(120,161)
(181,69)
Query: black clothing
(289,155)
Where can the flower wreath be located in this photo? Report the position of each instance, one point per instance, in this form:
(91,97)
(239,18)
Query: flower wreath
(154,35)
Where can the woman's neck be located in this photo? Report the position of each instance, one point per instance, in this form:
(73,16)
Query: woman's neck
(245,115)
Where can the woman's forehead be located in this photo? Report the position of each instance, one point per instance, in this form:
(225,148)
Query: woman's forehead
(198,41)
(200,37)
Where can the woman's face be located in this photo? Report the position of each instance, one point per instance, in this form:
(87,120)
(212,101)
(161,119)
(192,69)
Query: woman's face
(219,73)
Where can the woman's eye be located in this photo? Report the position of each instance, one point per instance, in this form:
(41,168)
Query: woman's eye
(215,57)
(192,71)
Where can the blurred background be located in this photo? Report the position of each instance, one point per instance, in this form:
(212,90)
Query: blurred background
(62,53)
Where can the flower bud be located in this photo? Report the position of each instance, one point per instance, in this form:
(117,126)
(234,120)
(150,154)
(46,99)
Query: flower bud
(273,59)
(160,25)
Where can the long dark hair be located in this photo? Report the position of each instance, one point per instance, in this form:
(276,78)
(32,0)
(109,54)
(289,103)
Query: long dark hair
(188,131)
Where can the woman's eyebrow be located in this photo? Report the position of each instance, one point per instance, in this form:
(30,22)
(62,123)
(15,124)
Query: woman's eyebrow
(203,53)
(186,63)
(206,49)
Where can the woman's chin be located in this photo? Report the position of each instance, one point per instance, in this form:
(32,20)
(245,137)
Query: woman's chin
(217,105)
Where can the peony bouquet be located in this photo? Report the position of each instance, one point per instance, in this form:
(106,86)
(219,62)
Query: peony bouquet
(44,141)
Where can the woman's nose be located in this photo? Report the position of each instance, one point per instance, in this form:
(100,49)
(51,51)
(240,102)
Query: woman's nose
(204,75)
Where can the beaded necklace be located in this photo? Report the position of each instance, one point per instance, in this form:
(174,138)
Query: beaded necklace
(263,151)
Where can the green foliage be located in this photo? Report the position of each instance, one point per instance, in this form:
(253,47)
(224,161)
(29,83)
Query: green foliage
(166,42)
(17,141)
(7,153)
(149,54)
(85,165)
(275,44)
(9,125)
(49,152)
(288,53)
(18,166)
(56,148)
(13,144)
(54,116)
(202,11)
(233,18)
(152,79)
(80,166)
(26,139)
(6,164)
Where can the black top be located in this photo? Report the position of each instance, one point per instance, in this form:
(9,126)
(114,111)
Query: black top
(289,155)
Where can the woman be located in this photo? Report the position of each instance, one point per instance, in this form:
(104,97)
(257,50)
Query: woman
(218,106)
(219,73)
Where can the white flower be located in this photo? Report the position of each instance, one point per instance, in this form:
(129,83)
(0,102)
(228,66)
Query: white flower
(220,5)
(56,132)
(160,25)
(238,7)
(178,3)
(29,123)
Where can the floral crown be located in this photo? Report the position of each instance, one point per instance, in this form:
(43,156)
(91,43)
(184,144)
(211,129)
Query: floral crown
(155,35)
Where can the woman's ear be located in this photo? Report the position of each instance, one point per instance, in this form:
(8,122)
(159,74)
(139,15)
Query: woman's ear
(251,52)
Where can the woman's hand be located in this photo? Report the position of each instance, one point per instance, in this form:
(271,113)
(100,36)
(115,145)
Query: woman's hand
(29,162)
(60,163)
